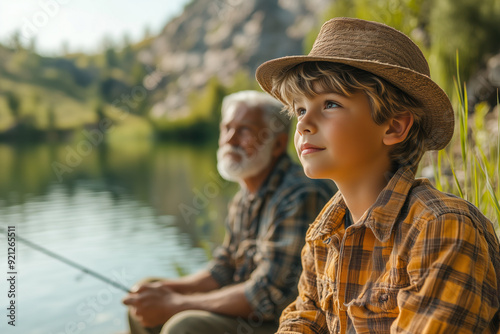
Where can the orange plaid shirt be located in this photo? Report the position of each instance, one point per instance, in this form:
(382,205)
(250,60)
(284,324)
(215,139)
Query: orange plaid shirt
(419,261)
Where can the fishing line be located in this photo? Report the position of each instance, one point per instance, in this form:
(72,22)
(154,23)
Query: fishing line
(69,262)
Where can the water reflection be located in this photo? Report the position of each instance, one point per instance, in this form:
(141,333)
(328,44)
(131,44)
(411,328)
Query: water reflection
(126,211)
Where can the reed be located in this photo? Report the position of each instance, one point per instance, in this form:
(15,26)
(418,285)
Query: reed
(470,166)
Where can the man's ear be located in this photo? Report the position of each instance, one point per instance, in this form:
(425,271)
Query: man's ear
(398,128)
(280,145)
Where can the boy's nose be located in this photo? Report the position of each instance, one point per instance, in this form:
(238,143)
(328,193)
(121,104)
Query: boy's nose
(306,125)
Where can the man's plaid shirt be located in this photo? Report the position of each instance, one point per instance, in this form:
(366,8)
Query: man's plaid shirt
(265,235)
(419,261)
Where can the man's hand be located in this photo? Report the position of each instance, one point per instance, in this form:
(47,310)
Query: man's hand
(152,304)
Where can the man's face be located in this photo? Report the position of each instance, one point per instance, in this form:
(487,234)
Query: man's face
(245,143)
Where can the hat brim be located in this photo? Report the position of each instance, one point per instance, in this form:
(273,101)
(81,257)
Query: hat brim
(438,122)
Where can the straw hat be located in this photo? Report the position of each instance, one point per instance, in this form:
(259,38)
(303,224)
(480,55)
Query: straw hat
(385,52)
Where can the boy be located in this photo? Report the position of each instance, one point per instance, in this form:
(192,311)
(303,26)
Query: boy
(388,253)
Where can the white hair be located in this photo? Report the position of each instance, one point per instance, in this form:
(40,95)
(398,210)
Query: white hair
(272,108)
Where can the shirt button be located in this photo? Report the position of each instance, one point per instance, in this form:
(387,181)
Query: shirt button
(383,298)
(339,305)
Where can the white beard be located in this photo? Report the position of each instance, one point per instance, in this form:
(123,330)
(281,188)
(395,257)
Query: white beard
(237,171)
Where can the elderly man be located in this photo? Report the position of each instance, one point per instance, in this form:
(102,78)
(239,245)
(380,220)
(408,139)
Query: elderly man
(254,274)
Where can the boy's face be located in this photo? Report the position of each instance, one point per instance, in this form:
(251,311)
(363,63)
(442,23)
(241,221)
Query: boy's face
(336,137)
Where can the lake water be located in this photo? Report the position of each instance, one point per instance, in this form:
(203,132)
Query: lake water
(126,211)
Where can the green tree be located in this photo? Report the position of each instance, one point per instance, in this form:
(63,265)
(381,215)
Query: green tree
(15,41)
(111,57)
(138,73)
(51,119)
(14,103)
(32,45)
(128,55)
(470,27)
(242,80)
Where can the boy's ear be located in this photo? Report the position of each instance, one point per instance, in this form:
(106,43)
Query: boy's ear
(398,128)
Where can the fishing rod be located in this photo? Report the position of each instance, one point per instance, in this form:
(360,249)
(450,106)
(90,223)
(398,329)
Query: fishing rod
(69,262)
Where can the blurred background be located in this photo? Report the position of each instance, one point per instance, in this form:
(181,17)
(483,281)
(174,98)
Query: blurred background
(109,116)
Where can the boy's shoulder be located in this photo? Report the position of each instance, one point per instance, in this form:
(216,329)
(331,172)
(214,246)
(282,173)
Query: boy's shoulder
(427,205)
(442,216)
(430,203)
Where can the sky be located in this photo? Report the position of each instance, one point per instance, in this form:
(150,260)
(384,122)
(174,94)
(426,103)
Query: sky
(83,24)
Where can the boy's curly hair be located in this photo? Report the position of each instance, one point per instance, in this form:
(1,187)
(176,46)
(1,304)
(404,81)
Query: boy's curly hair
(385,99)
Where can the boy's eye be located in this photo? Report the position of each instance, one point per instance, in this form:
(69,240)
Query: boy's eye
(300,112)
(330,105)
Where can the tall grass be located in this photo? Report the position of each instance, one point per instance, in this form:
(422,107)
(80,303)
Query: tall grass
(470,166)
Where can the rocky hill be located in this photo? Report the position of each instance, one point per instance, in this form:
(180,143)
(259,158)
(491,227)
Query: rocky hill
(221,38)
(174,82)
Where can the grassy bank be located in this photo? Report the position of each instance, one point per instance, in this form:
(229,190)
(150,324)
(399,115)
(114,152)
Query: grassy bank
(470,166)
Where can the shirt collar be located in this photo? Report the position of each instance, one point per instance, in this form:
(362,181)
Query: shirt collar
(380,217)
